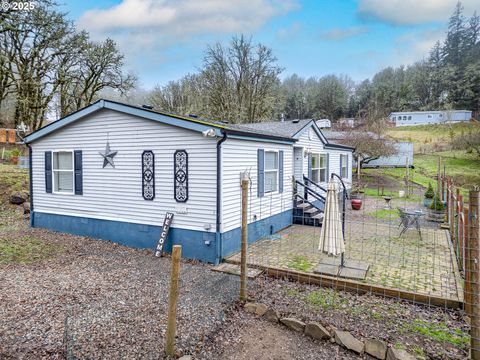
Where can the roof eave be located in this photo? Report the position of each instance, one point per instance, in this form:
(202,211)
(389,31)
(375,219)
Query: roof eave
(240,133)
(170,119)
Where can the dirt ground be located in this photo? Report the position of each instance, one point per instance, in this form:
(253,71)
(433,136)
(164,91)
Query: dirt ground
(245,337)
(67,296)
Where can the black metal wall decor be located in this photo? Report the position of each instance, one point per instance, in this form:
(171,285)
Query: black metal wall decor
(148,175)
(180,161)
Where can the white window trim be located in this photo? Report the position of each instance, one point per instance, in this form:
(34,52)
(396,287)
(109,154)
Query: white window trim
(345,156)
(72,171)
(320,168)
(265,171)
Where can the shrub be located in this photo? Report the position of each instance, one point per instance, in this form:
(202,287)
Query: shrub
(437,204)
(429,194)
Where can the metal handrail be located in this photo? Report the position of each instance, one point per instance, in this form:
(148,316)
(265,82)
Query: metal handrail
(306,179)
(311,191)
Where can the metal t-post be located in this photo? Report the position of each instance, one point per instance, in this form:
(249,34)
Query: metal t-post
(344,198)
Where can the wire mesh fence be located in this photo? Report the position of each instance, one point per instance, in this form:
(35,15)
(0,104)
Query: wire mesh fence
(396,248)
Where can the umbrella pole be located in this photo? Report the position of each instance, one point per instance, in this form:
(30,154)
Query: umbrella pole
(342,261)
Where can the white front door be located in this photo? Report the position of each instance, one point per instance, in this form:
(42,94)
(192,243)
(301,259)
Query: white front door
(298,163)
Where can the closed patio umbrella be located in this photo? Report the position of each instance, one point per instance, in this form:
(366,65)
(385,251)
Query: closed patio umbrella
(331,234)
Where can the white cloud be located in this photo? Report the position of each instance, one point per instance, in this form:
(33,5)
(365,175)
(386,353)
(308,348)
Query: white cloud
(183,17)
(404,12)
(415,46)
(339,33)
(289,32)
(147,31)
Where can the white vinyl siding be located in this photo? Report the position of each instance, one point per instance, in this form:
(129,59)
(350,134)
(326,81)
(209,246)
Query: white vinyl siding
(271,171)
(62,172)
(316,146)
(116,193)
(241,155)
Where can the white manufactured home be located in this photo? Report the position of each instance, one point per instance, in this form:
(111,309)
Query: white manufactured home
(112,171)
(408,118)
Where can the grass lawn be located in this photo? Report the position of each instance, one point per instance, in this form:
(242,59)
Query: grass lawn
(432,141)
(434,133)
(25,250)
(384,214)
(12,179)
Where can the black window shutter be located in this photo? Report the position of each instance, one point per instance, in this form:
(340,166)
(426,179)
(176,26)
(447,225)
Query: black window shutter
(280,171)
(327,175)
(341,167)
(346,167)
(260,172)
(310,166)
(78,167)
(48,171)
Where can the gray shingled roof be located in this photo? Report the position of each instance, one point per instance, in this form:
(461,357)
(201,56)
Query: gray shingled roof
(287,128)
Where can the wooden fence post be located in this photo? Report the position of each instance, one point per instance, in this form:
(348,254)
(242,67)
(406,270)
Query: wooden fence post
(172,300)
(459,230)
(467,291)
(474,268)
(439,180)
(243,260)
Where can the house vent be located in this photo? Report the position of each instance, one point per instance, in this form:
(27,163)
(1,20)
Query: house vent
(193,116)
(149,107)
(296,121)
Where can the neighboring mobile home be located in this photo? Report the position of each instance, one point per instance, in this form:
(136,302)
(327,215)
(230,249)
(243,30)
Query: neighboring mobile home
(402,157)
(112,171)
(407,118)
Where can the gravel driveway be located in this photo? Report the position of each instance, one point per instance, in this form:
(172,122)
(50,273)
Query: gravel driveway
(96,299)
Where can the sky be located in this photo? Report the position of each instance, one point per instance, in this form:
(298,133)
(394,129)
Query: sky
(164,40)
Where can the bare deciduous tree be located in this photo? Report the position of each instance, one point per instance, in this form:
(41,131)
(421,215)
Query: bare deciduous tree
(241,80)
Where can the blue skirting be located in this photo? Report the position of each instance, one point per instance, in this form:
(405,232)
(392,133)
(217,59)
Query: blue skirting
(202,245)
(256,231)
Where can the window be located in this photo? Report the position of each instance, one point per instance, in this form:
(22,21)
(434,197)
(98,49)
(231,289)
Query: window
(63,172)
(429,116)
(404,118)
(319,168)
(271,171)
(410,117)
(343,164)
(394,118)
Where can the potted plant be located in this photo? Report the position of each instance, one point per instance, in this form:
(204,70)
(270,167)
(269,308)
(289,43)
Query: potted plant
(436,209)
(14,156)
(356,197)
(429,194)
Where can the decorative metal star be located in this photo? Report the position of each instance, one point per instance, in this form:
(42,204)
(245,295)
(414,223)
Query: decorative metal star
(108,156)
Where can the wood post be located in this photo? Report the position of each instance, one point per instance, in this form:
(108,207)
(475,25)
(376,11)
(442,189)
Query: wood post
(467,291)
(439,180)
(243,263)
(172,300)
(460,233)
(474,268)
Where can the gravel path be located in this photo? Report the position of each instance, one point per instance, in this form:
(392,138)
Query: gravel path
(101,300)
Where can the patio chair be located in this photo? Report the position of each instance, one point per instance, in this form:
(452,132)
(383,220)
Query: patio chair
(407,220)
(404,221)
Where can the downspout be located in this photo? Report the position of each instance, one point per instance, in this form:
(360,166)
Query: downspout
(219,199)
